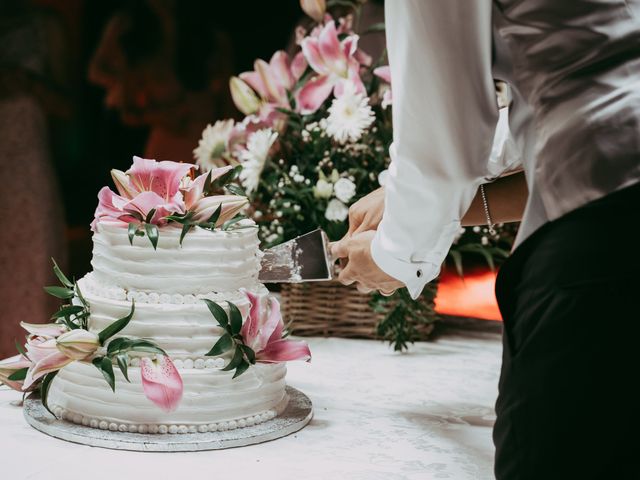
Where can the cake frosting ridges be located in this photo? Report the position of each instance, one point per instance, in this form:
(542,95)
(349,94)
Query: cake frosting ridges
(205,262)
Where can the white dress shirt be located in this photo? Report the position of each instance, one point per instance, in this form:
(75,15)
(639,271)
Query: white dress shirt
(575,117)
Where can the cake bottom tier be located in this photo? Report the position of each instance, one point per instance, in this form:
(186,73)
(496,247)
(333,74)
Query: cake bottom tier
(211,401)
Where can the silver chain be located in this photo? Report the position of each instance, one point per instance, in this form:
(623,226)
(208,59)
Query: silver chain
(485,204)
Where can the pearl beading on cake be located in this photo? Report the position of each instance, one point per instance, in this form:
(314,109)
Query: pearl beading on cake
(171,429)
(118,293)
(198,363)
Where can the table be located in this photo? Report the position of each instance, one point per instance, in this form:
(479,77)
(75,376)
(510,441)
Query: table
(378,415)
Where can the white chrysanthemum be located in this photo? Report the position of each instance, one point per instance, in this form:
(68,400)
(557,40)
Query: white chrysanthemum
(213,144)
(336,211)
(349,116)
(344,189)
(255,156)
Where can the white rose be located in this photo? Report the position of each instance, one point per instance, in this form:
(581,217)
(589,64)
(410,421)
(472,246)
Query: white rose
(336,211)
(323,189)
(344,189)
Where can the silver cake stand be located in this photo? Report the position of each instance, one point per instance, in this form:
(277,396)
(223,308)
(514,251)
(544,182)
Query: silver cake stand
(295,416)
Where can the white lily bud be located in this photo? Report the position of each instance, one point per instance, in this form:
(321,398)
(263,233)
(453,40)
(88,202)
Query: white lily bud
(243,96)
(314,8)
(78,344)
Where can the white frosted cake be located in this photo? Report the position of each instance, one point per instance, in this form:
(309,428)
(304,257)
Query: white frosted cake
(168,285)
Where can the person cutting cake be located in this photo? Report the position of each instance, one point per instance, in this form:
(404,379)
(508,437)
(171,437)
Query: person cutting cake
(566,296)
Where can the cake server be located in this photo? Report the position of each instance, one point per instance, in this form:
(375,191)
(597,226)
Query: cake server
(306,258)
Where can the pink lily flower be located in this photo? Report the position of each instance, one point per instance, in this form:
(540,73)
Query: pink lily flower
(263,331)
(147,185)
(161,382)
(335,63)
(192,190)
(272,81)
(46,358)
(231,205)
(9,366)
(385,74)
(42,350)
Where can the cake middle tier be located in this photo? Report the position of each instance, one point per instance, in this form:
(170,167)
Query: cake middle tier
(181,329)
(218,261)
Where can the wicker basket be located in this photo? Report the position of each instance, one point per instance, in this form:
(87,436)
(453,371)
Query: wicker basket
(330,309)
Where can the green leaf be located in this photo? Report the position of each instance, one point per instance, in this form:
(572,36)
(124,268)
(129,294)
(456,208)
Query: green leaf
(19,374)
(218,313)
(243,367)
(233,221)
(185,229)
(215,215)
(61,276)
(133,213)
(145,346)
(67,311)
(116,326)
(150,215)
(224,343)
(44,390)
(106,368)
(235,361)
(131,231)
(61,292)
(236,189)
(21,350)
(118,344)
(123,363)
(249,353)
(152,233)
(236,318)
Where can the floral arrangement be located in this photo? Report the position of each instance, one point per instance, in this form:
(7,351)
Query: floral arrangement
(255,337)
(315,139)
(154,194)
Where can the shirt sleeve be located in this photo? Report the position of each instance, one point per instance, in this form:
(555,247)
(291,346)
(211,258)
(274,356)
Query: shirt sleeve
(444,116)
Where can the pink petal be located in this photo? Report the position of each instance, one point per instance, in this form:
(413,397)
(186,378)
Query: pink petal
(279,65)
(384,73)
(331,50)
(231,205)
(275,92)
(349,45)
(363,58)
(144,202)
(163,178)
(311,96)
(14,363)
(298,65)
(194,191)
(312,54)
(123,184)
(254,80)
(44,329)
(251,325)
(275,318)
(284,351)
(51,363)
(39,348)
(161,382)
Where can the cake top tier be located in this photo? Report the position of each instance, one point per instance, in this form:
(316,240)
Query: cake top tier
(170,230)
(207,261)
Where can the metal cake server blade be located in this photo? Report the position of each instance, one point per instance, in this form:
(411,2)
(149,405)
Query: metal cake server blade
(306,258)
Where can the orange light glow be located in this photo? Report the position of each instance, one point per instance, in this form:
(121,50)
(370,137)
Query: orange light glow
(472,296)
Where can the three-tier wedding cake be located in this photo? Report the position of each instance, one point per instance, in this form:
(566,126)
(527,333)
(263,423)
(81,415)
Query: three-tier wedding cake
(168,268)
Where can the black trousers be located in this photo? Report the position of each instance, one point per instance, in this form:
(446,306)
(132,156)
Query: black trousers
(568,404)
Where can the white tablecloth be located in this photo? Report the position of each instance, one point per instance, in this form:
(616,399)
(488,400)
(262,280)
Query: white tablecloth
(378,415)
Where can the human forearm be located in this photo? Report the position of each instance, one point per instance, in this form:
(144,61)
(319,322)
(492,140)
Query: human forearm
(506,198)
